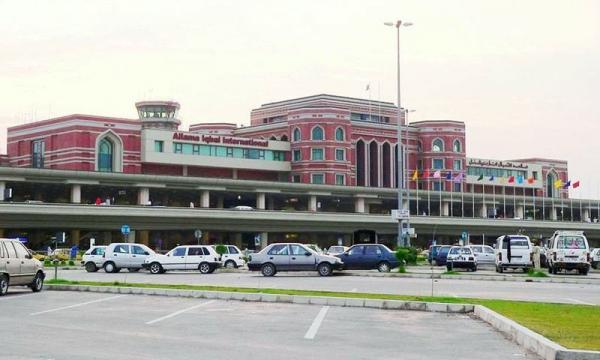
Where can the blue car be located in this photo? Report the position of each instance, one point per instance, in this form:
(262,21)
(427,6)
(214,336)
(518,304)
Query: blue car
(369,256)
(442,255)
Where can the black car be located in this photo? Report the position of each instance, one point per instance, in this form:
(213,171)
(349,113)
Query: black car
(369,256)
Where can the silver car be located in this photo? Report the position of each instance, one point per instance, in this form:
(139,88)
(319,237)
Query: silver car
(292,257)
(18,267)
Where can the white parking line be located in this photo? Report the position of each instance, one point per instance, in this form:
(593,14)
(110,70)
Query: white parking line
(178,312)
(578,301)
(314,327)
(76,305)
(354,290)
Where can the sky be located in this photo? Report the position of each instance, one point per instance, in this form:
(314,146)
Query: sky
(524,76)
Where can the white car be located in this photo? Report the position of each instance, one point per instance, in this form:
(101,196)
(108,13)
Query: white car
(514,252)
(336,250)
(190,257)
(125,255)
(232,258)
(92,259)
(461,257)
(484,254)
(568,250)
(243,208)
(595,255)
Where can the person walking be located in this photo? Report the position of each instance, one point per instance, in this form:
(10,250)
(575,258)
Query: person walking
(536,256)
(74,250)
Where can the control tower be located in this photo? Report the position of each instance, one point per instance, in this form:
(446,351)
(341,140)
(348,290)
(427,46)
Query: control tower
(158,114)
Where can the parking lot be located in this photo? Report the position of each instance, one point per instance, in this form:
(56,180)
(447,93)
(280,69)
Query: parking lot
(103,326)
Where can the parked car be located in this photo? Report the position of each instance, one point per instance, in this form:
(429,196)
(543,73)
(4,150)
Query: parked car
(484,254)
(315,248)
(18,267)
(442,255)
(514,252)
(461,257)
(92,259)
(242,208)
(369,256)
(569,250)
(336,249)
(595,256)
(292,257)
(202,258)
(125,255)
(232,258)
(432,253)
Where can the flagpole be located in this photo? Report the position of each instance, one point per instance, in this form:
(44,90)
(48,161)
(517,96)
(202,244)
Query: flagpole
(483,197)
(451,193)
(440,189)
(428,196)
(503,198)
(562,204)
(473,198)
(417,185)
(543,204)
(494,198)
(524,207)
(514,199)
(533,198)
(462,197)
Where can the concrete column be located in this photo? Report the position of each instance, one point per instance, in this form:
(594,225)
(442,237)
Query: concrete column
(131,237)
(264,240)
(2,188)
(144,237)
(586,215)
(260,201)
(237,240)
(483,211)
(520,211)
(270,203)
(220,202)
(143,196)
(205,199)
(75,235)
(445,208)
(312,203)
(76,194)
(359,205)
(553,214)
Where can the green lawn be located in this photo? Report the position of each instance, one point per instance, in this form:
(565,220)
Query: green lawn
(572,326)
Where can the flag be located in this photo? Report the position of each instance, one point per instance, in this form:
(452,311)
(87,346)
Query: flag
(426,174)
(437,174)
(558,184)
(511,179)
(415,175)
(480,177)
(567,184)
(458,178)
(492,178)
(368,87)
(530,180)
(520,179)
(576,184)
(449,175)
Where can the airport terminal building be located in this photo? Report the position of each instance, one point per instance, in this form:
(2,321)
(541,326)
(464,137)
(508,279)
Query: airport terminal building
(321,153)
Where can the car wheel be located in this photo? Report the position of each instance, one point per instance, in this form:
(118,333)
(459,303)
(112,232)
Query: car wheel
(204,268)
(38,283)
(268,270)
(448,268)
(383,266)
(584,271)
(325,269)
(155,268)
(475,268)
(212,269)
(230,264)
(500,269)
(3,285)
(90,267)
(525,270)
(110,267)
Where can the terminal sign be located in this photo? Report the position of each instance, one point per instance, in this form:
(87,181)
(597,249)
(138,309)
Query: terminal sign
(216,139)
(125,230)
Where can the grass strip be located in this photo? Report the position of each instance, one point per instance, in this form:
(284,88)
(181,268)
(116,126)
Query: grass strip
(572,326)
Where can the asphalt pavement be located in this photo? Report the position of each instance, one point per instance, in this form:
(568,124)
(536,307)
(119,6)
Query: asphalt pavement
(585,294)
(67,325)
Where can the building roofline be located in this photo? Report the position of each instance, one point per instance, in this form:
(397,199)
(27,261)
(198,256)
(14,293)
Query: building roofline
(436,121)
(324,96)
(70,117)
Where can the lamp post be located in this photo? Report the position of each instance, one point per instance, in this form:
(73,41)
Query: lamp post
(406,163)
(399,176)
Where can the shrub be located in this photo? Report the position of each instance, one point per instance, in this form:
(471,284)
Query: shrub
(221,249)
(63,263)
(47,262)
(71,263)
(533,273)
(407,255)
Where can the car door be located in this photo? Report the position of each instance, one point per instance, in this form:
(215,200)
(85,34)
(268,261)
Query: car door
(353,259)
(478,252)
(176,259)
(226,255)
(279,256)
(120,256)
(488,255)
(96,254)
(138,255)
(235,255)
(372,256)
(13,265)
(195,256)
(299,260)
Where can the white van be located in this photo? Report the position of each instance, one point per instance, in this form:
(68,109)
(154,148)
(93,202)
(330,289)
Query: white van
(568,250)
(125,255)
(513,251)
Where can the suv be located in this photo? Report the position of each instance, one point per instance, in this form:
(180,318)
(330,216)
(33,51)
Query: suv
(232,258)
(461,257)
(513,251)
(92,259)
(18,267)
(125,255)
(292,257)
(595,256)
(202,258)
(568,250)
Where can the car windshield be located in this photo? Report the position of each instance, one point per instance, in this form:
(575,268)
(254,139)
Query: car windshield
(570,242)
(335,249)
(443,250)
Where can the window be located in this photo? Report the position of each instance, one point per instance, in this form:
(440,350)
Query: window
(318,178)
(296,135)
(298,250)
(229,152)
(419,146)
(457,147)
(420,164)
(278,156)
(488,250)
(457,187)
(205,251)
(1,250)
(317,133)
(195,251)
(372,250)
(178,148)
(457,165)
(535,175)
(121,249)
(37,153)
(297,155)
(180,251)
(97,251)
(437,145)
(279,250)
(233,250)
(138,250)
(22,251)
(105,155)
(296,178)
(340,154)
(571,242)
(196,149)
(10,251)
(356,250)
(159,146)
(437,186)
(438,164)
(339,134)
(340,179)
(476,249)
(317,154)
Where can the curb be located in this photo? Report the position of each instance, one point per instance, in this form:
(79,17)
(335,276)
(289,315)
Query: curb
(289,299)
(530,340)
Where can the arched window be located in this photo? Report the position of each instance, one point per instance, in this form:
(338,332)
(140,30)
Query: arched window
(339,134)
(419,146)
(457,147)
(105,155)
(296,135)
(284,138)
(437,145)
(317,133)
(272,137)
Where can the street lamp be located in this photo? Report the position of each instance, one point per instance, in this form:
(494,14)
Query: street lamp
(406,163)
(399,177)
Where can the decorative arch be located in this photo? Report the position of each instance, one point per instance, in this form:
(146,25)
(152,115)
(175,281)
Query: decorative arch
(386,168)
(296,135)
(361,174)
(437,145)
(317,133)
(339,134)
(457,146)
(273,137)
(109,152)
(551,177)
(284,137)
(373,150)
